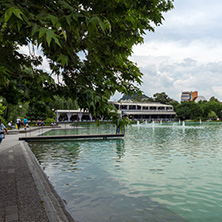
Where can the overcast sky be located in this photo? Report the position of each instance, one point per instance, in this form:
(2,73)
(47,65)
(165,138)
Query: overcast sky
(185,53)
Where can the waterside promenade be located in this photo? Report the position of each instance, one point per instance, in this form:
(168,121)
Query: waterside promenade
(25,191)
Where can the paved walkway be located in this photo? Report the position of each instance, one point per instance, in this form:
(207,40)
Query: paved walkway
(26,195)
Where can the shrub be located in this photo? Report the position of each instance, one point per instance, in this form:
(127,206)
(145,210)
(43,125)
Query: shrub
(49,121)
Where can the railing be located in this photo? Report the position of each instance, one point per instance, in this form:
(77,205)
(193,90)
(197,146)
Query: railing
(147,110)
(69,130)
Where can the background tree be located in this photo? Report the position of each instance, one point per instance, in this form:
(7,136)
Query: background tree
(212,115)
(213,99)
(2,108)
(174,103)
(188,110)
(162,98)
(87,44)
(212,105)
(136,97)
(63,103)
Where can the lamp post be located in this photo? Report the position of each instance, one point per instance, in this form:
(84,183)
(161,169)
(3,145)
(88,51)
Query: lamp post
(20,109)
(1,100)
(53,112)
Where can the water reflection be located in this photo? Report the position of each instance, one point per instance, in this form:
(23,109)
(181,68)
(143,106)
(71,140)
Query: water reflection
(132,179)
(120,147)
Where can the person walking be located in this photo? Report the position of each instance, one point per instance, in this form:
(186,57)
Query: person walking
(25,121)
(2,129)
(18,122)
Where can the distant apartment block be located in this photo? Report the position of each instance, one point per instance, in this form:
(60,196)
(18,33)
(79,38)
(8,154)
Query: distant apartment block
(189,96)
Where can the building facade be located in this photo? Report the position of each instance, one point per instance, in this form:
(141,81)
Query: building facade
(145,111)
(134,111)
(189,96)
(72,115)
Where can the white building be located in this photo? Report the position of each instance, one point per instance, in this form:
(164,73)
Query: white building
(200,98)
(134,111)
(73,115)
(145,111)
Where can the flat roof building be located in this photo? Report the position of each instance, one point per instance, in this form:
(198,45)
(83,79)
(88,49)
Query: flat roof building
(133,110)
(145,111)
(189,95)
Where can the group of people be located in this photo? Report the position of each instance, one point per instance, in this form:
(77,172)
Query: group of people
(19,123)
(23,122)
(40,123)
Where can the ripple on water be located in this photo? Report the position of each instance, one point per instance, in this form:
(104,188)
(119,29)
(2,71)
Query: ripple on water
(178,169)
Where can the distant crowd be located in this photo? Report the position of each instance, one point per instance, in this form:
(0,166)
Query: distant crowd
(24,123)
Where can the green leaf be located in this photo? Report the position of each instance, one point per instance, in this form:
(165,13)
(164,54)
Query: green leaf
(94,21)
(42,32)
(57,42)
(58,25)
(50,35)
(68,19)
(34,29)
(4,70)
(63,59)
(76,16)
(8,14)
(102,26)
(63,33)
(17,13)
(12,10)
(19,25)
(53,19)
(107,25)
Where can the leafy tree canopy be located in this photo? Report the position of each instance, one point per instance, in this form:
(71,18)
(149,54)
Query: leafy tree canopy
(2,108)
(212,105)
(87,44)
(213,99)
(212,115)
(135,97)
(188,110)
(162,98)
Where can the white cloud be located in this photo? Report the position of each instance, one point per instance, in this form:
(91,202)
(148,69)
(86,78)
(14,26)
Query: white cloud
(203,50)
(185,53)
(33,50)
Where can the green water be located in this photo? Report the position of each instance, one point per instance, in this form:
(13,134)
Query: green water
(83,129)
(153,174)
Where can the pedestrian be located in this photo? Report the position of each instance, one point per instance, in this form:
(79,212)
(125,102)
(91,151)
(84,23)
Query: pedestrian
(25,121)
(118,129)
(2,129)
(18,122)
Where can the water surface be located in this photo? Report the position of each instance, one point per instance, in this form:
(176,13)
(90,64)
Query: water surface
(153,174)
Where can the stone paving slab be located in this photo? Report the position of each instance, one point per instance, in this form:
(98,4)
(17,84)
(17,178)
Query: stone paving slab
(26,195)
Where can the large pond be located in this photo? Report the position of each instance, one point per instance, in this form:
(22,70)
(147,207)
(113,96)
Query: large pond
(155,173)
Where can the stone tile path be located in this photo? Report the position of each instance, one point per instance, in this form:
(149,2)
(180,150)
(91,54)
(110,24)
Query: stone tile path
(26,195)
